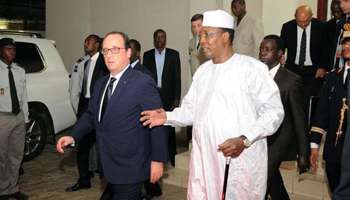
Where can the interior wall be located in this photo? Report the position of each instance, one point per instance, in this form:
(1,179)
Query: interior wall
(276,13)
(68,23)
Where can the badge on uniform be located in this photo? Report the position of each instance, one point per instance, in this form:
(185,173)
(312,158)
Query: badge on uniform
(346,28)
(2,91)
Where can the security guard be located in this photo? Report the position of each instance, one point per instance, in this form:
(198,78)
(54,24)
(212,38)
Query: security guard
(13,115)
(76,81)
(330,119)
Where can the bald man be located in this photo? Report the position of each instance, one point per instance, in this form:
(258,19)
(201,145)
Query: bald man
(304,40)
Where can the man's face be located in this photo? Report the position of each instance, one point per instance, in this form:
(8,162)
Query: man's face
(196,26)
(211,41)
(237,8)
(346,50)
(268,53)
(8,53)
(134,53)
(303,19)
(345,6)
(90,45)
(115,55)
(160,40)
(336,10)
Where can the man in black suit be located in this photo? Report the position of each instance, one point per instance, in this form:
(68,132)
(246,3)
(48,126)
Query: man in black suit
(94,69)
(164,64)
(305,39)
(129,152)
(333,35)
(290,142)
(135,62)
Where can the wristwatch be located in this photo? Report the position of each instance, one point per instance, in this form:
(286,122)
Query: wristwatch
(246,142)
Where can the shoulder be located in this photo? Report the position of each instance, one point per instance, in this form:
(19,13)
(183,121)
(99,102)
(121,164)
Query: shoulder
(289,23)
(18,69)
(172,51)
(83,59)
(148,52)
(253,63)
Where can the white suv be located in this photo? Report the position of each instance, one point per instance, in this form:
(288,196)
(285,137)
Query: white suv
(50,110)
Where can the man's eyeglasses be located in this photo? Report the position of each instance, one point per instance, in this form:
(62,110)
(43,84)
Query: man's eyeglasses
(113,50)
(208,35)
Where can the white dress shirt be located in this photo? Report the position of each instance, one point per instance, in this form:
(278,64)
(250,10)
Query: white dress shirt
(117,78)
(91,68)
(160,58)
(300,30)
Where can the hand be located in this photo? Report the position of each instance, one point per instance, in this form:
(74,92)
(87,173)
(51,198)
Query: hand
(157,169)
(303,164)
(232,147)
(314,159)
(153,117)
(320,73)
(63,142)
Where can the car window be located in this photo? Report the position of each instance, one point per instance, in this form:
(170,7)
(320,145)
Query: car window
(28,57)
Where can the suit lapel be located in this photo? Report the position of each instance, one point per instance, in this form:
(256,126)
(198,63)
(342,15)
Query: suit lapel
(117,91)
(166,64)
(153,64)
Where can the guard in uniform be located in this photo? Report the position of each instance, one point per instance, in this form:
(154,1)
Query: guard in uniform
(13,115)
(76,81)
(330,119)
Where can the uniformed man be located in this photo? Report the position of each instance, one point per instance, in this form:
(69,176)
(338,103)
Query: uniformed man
(13,115)
(76,81)
(329,118)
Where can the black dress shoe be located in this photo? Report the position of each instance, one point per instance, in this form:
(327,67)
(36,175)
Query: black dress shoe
(78,186)
(19,196)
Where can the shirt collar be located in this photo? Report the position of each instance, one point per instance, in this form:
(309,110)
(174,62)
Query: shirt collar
(117,76)
(95,56)
(274,70)
(161,53)
(134,63)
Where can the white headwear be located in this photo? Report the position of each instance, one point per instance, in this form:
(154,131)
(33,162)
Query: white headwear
(218,19)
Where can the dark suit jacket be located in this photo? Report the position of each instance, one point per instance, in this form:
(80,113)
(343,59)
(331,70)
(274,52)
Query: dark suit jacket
(342,192)
(290,139)
(170,91)
(318,52)
(332,47)
(332,39)
(126,147)
(100,71)
(143,69)
(327,115)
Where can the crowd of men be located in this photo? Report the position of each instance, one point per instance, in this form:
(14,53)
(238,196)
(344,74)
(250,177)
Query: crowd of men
(249,107)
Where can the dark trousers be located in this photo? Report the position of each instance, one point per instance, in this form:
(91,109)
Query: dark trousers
(276,188)
(333,170)
(312,85)
(172,144)
(126,191)
(83,155)
(84,146)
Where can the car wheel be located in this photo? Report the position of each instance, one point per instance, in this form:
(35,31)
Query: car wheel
(36,136)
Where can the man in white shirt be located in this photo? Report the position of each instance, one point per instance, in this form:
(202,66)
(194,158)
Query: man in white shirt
(233,105)
(13,115)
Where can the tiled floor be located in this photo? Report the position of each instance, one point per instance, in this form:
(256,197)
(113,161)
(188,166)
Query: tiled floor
(46,177)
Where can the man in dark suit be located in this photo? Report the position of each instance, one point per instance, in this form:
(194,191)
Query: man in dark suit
(305,40)
(135,62)
(129,153)
(94,69)
(164,64)
(290,142)
(330,119)
(332,28)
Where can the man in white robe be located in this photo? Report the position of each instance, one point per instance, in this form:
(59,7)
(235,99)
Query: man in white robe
(233,105)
